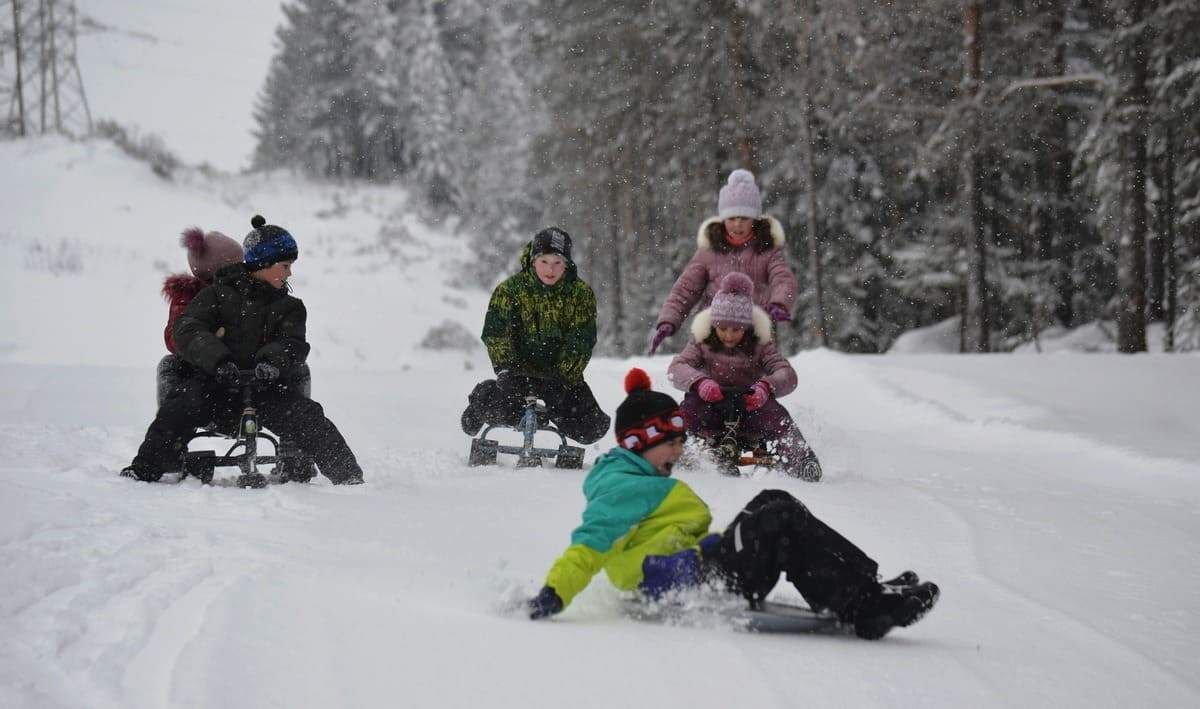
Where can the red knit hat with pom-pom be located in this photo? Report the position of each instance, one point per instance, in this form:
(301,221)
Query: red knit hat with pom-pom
(643,405)
(733,305)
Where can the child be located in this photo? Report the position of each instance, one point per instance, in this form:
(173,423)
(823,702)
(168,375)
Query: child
(206,254)
(649,533)
(245,320)
(539,330)
(741,238)
(731,347)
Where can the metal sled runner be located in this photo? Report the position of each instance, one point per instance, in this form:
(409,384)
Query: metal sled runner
(290,464)
(484,450)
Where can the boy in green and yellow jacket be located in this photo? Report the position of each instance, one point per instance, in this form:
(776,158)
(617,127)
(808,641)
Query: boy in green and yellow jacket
(539,330)
(649,533)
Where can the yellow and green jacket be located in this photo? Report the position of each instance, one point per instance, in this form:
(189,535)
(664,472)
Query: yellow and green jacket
(632,513)
(540,329)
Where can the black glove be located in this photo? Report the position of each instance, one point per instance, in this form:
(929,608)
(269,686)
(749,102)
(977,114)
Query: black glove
(227,373)
(545,604)
(266,372)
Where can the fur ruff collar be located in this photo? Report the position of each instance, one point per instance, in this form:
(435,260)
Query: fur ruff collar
(702,325)
(181,285)
(777,236)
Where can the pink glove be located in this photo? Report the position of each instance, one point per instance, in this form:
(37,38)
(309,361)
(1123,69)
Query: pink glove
(778,313)
(660,333)
(759,394)
(709,390)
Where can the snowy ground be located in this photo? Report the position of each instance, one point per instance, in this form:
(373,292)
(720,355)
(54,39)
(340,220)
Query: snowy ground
(188,71)
(1055,499)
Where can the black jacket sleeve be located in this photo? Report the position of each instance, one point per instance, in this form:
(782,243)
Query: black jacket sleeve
(195,332)
(287,347)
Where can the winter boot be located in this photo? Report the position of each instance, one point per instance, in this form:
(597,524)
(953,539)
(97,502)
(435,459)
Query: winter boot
(141,472)
(906,578)
(726,457)
(885,607)
(471,421)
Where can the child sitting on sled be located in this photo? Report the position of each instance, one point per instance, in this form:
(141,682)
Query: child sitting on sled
(731,352)
(650,533)
(539,331)
(740,238)
(207,253)
(245,320)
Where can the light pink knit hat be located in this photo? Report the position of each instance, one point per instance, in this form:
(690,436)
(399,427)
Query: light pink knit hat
(733,306)
(207,253)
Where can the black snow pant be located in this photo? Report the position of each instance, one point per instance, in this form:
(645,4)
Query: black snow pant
(572,408)
(198,401)
(775,533)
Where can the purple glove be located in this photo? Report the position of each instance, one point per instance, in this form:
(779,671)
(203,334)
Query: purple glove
(759,393)
(778,313)
(660,333)
(545,604)
(709,390)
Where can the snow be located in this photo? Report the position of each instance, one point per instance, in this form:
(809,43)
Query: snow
(1099,336)
(942,338)
(1055,500)
(187,71)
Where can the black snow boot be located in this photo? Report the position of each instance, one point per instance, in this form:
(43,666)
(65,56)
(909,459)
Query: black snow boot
(141,472)
(885,607)
(905,578)
(471,421)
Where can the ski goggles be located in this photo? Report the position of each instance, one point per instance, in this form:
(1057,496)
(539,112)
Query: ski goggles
(653,431)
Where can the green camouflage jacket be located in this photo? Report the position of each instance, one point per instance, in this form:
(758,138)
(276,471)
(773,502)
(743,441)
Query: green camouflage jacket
(540,329)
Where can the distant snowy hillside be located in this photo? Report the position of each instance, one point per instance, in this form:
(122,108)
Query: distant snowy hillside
(187,71)
(943,338)
(85,254)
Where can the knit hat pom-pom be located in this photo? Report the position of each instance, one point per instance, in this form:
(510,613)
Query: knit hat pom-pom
(193,241)
(736,283)
(741,175)
(257,220)
(635,379)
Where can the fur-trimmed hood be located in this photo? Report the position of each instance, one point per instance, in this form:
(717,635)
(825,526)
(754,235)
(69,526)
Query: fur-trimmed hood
(181,286)
(702,325)
(777,236)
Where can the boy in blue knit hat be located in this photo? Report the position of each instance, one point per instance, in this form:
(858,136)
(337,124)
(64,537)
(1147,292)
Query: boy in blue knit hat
(649,533)
(246,320)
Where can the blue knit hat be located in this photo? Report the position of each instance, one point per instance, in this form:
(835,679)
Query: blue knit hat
(267,245)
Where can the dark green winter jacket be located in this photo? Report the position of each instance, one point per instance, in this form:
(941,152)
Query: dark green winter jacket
(540,329)
(245,320)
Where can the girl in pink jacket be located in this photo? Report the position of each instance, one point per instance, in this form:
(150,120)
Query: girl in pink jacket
(739,239)
(731,354)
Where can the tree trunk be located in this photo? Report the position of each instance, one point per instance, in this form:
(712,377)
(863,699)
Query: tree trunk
(1167,202)
(976,330)
(737,77)
(1156,254)
(1131,244)
(819,322)
(16,11)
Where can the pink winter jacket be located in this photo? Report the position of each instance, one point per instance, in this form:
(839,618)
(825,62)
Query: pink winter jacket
(773,279)
(735,368)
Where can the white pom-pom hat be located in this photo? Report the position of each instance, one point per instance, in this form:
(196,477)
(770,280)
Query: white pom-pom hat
(740,196)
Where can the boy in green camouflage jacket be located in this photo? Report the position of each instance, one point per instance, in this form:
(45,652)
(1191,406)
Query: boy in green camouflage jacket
(539,331)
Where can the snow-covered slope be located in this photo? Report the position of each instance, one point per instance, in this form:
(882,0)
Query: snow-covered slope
(85,253)
(185,70)
(1054,499)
